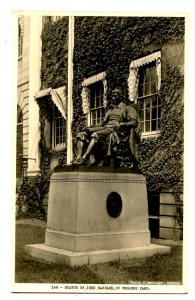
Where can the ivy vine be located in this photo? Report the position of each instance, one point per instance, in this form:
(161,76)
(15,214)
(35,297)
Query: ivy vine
(54,66)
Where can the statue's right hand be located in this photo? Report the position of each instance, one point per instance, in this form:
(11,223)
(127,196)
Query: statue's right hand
(119,125)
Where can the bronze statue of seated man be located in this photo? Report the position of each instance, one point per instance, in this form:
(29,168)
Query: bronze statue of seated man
(102,141)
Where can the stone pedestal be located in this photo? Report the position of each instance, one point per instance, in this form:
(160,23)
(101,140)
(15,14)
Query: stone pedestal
(96,217)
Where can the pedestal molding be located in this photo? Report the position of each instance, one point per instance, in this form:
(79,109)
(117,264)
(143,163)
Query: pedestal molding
(94,233)
(97,180)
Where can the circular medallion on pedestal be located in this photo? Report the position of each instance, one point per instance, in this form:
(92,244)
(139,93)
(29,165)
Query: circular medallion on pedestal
(114,205)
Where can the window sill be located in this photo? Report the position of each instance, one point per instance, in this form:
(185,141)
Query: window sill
(150,134)
(154,217)
(59,147)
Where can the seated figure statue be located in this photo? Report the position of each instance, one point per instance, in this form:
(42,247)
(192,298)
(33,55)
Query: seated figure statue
(122,143)
(102,141)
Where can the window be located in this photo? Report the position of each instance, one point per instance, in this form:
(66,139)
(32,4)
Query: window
(97,110)
(144,85)
(59,129)
(148,98)
(94,98)
(53,107)
(20,36)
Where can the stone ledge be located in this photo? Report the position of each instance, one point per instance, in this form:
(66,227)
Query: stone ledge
(86,169)
(69,258)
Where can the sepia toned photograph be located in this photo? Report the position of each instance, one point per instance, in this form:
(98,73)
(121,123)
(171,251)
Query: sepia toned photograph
(99,153)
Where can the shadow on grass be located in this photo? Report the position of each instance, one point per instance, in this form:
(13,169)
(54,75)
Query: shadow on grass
(167,268)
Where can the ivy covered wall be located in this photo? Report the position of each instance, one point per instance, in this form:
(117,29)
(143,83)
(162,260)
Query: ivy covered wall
(110,44)
(54,60)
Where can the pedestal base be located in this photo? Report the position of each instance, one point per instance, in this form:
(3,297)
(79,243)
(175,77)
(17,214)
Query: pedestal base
(70,258)
(96,217)
(89,211)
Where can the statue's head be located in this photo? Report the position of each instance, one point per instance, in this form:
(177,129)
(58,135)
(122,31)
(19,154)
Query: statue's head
(117,96)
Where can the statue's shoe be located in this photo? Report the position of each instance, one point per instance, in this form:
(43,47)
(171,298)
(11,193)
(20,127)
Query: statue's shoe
(80,161)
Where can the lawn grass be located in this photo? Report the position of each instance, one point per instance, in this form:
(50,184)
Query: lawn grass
(166,268)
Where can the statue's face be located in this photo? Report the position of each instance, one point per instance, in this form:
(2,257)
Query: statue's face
(116,96)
